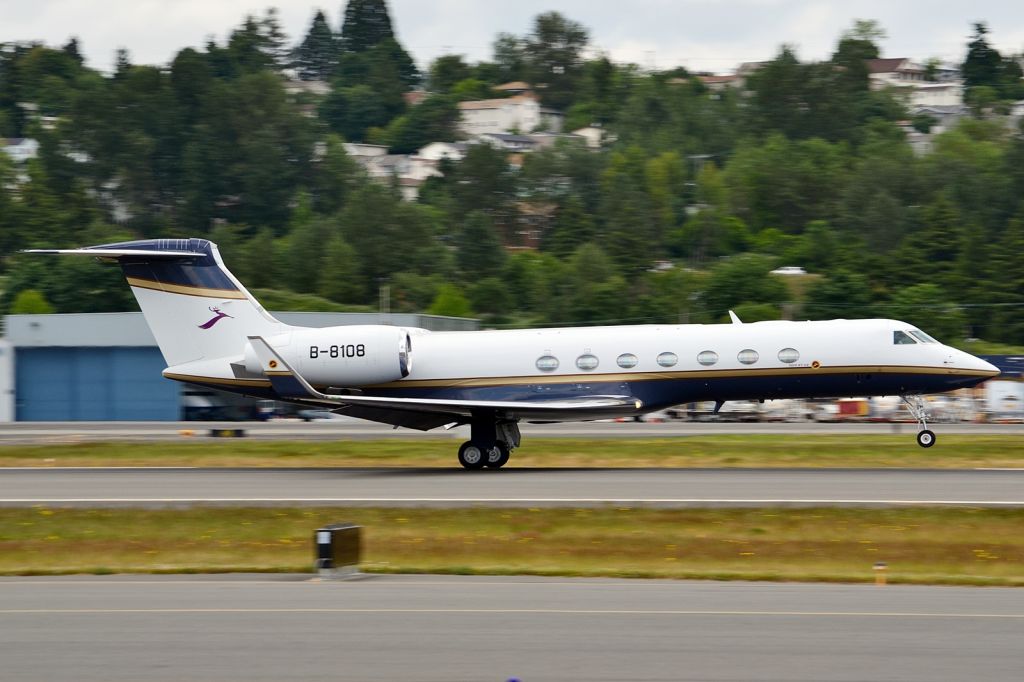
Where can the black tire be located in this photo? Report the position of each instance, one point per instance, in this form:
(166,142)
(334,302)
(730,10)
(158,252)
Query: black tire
(472,456)
(925,438)
(497,456)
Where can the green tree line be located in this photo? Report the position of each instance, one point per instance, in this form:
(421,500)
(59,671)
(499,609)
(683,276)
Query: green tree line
(694,197)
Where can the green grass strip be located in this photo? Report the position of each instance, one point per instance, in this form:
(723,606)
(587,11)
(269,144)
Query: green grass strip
(840,450)
(921,545)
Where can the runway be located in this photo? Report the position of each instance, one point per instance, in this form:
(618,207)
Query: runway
(463,628)
(354,429)
(662,487)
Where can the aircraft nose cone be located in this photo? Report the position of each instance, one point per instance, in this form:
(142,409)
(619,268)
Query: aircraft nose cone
(966,361)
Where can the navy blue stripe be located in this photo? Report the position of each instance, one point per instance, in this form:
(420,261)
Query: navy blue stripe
(202,271)
(665,393)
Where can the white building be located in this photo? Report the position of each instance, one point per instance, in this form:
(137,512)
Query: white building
(593,135)
(522,113)
(910,80)
(436,151)
(21,149)
(949,94)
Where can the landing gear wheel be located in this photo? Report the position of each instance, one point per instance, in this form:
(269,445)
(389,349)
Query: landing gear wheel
(925,438)
(472,456)
(497,456)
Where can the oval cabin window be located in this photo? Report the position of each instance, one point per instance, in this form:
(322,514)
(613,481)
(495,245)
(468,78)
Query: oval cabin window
(547,363)
(627,361)
(707,358)
(747,356)
(667,359)
(789,355)
(587,362)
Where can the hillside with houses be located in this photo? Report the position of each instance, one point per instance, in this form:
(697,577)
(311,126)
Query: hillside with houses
(546,185)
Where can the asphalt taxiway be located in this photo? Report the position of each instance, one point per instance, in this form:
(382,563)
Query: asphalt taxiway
(356,429)
(531,487)
(465,628)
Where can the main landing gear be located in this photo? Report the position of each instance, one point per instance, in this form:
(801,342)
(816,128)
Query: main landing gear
(918,408)
(490,444)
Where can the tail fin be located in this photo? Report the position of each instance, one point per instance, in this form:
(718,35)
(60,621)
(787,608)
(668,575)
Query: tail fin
(195,308)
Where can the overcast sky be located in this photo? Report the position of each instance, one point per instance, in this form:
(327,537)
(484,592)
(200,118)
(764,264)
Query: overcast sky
(700,34)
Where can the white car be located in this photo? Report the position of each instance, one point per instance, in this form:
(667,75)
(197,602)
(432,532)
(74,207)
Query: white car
(789,270)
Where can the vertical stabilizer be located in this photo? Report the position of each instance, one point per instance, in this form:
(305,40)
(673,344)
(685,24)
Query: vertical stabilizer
(195,308)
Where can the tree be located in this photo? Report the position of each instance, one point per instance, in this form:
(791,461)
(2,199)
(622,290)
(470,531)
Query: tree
(366,24)
(982,64)
(554,51)
(927,307)
(510,58)
(480,250)
(572,227)
(451,302)
(308,234)
(30,302)
(352,111)
(435,118)
(317,57)
(73,50)
(339,279)
(446,71)
(742,279)
(843,294)
(335,175)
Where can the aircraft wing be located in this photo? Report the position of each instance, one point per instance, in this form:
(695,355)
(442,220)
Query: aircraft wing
(426,413)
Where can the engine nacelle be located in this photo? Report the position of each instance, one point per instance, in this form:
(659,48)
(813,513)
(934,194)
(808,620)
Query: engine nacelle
(346,356)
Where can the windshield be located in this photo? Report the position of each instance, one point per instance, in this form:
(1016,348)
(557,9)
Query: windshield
(922,337)
(902,338)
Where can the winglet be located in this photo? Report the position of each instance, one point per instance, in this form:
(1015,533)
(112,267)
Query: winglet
(286,381)
(735,318)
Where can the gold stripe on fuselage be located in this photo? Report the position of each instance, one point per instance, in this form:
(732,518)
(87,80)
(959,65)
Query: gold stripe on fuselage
(701,374)
(184,289)
(220,381)
(706,374)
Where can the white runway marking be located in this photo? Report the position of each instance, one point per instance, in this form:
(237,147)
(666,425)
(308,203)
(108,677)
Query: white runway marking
(574,612)
(413,501)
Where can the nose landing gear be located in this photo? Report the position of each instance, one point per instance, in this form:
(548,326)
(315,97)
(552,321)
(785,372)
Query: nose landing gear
(917,407)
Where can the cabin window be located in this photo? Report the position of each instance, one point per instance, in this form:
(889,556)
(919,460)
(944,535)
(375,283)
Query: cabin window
(747,356)
(921,336)
(587,361)
(789,355)
(707,357)
(668,359)
(902,339)
(547,363)
(626,361)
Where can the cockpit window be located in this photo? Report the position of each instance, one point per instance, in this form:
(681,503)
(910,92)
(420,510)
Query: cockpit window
(921,336)
(902,338)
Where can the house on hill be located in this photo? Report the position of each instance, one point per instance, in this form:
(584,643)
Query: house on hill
(911,80)
(522,113)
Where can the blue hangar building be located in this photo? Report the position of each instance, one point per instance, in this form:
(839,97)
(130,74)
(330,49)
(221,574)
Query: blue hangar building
(107,366)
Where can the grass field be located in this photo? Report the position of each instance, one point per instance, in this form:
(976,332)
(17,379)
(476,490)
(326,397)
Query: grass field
(843,450)
(921,545)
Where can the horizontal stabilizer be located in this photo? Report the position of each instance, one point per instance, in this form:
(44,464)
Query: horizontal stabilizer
(290,385)
(117,253)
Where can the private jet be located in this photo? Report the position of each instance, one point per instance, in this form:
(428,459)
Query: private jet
(213,333)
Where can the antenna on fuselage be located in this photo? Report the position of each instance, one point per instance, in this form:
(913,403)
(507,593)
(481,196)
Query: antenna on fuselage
(735,318)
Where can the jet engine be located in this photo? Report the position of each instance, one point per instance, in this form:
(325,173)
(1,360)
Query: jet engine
(348,356)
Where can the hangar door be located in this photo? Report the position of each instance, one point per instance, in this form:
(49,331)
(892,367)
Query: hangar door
(93,384)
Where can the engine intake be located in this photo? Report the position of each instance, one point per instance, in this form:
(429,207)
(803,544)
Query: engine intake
(358,355)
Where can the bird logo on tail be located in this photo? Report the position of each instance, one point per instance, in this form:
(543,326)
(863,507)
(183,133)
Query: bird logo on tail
(217,317)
